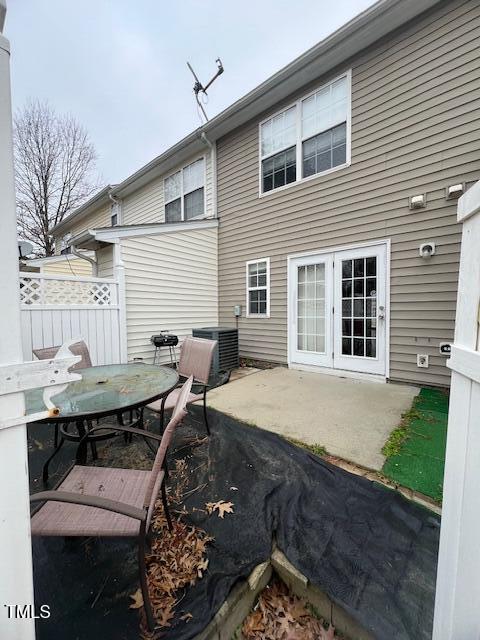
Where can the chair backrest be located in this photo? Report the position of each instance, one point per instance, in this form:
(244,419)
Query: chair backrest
(196,358)
(179,412)
(78,349)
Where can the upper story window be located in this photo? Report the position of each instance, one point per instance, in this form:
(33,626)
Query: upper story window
(308,138)
(184,193)
(64,246)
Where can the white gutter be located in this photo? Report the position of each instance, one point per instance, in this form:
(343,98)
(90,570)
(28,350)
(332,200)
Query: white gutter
(16,581)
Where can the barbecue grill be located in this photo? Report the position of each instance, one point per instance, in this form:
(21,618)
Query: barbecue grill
(165,339)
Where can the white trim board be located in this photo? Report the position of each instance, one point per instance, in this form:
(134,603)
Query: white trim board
(114,233)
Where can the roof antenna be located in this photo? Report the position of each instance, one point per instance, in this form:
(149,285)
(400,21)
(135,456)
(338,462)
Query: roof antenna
(199,88)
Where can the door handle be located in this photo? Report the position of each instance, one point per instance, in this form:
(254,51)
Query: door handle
(381,312)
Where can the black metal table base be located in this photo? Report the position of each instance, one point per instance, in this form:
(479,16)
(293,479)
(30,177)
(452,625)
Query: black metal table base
(82,428)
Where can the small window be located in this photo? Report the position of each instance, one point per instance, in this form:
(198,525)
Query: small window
(114,211)
(184,193)
(64,246)
(258,287)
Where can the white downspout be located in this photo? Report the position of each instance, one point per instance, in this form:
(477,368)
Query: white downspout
(16,581)
(213,160)
(93,262)
(119,275)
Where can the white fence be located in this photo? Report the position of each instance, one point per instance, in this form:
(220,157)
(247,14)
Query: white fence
(457,615)
(57,308)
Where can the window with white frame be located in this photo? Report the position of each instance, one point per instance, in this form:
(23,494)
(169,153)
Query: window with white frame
(114,215)
(307,138)
(258,287)
(184,193)
(64,244)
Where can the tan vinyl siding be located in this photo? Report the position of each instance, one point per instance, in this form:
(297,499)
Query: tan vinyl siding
(98,218)
(105,262)
(70,266)
(147,203)
(415,129)
(171,283)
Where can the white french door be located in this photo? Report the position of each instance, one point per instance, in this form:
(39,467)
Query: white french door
(338,309)
(311,302)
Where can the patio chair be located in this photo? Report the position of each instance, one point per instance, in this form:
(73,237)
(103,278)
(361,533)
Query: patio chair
(109,502)
(195,360)
(78,349)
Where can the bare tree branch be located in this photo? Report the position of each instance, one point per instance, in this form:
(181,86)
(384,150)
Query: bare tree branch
(54,171)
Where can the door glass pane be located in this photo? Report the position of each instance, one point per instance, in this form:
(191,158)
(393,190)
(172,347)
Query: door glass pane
(311,308)
(359,307)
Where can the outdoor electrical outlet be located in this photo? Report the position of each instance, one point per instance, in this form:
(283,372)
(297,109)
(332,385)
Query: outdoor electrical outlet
(422,360)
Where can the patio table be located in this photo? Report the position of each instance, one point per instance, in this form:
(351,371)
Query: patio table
(108,390)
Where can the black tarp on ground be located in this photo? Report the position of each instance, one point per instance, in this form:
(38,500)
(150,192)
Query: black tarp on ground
(370,549)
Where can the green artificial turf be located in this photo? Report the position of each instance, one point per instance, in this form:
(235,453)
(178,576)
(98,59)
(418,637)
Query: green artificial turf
(416,449)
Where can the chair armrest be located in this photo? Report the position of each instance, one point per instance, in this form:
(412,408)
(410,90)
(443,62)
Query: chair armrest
(140,432)
(81,449)
(203,387)
(90,501)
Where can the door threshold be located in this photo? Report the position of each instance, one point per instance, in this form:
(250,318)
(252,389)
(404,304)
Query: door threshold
(339,373)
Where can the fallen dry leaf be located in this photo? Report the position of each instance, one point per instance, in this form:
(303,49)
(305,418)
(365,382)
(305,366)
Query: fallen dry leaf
(176,559)
(279,615)
(186,617)
(201,568)
(221,506)
(137,599)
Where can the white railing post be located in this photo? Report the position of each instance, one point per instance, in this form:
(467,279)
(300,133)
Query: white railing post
(457,604)
(16,583)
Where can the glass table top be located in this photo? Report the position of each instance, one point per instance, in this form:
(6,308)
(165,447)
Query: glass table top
(107,390)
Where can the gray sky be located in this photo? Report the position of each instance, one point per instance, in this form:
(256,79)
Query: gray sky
(120,67)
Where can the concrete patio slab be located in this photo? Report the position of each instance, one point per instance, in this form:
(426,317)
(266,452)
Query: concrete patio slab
(351,419)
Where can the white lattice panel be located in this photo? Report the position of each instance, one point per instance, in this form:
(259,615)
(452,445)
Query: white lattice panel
(41,291)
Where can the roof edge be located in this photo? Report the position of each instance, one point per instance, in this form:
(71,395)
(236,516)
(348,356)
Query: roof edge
(99,198)
(349,40)
(110,234)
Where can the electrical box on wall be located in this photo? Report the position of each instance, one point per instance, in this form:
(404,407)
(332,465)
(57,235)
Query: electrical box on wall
(237,310)
(422,360)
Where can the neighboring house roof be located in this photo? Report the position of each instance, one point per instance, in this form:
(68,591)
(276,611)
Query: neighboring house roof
(363,30)
(100,198)
(94,239)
